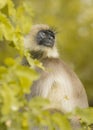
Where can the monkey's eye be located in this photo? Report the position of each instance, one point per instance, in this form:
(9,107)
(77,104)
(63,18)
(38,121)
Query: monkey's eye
(42,34)
(51,37)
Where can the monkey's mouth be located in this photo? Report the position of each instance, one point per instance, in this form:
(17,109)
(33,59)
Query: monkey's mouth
(47,43)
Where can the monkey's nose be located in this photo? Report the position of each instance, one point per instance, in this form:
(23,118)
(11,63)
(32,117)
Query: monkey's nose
(49,43)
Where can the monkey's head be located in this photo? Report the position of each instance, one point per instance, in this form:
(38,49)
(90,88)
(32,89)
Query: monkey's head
(41,42)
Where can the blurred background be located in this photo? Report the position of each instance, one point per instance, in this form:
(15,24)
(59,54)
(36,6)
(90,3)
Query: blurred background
(73,20)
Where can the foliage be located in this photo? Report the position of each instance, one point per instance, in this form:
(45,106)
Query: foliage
(15,80)
(16,113)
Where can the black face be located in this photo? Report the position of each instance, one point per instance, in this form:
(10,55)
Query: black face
(46,38)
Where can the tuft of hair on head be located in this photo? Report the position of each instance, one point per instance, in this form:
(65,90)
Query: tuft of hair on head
(54,29)
(30,42)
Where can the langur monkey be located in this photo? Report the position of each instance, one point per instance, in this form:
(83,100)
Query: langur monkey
(57,82)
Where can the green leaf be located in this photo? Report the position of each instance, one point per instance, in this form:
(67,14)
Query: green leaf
(39,64)
(38,102)
(1,35)
(11,9)
(9,62)
(24,10)
(2,70)
(61,122)
(2,3)
(6,27)
(86,115)
(9,100)
(26,77)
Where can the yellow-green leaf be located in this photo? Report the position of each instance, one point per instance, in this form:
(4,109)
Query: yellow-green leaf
(2,3)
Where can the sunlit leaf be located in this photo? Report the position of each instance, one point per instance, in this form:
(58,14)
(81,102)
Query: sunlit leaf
(86,115)
(26,77)
(61,121)
(9,62)
(11,9)
(3,3)
(6,27)
(8,100)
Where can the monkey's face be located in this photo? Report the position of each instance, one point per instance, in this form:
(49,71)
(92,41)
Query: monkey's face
(41,40)
(45,38)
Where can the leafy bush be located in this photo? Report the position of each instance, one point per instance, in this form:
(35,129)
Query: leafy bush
(16,113)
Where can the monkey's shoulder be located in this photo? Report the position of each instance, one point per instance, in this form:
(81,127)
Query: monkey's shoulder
(57,65)
(58,68)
